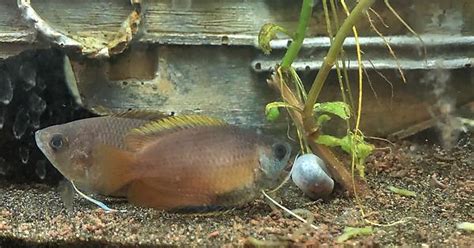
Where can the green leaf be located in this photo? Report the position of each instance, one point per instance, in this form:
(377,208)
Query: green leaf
(356,144)
(268,33)
(340,109)
(350,232)
(403,192)
(364,149)
(272,114)
(352,144)
(346,143)
(271,110)
(328,140)
(322,119)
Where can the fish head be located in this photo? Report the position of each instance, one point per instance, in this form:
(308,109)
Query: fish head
(273,159)
(68,148)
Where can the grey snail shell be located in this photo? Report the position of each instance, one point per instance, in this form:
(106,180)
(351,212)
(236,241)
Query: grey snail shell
(310,174)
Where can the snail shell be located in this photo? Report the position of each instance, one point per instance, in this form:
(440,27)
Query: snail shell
(310,174)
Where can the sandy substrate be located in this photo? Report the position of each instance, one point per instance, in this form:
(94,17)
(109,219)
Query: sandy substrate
(443,182)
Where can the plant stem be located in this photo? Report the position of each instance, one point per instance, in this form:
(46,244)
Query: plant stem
(331,57)
(293,50)
(335,166)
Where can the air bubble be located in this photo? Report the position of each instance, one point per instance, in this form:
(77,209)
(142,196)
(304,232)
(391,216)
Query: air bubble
(24,154)
(3,166)
(41,169)
(3,113)
(35,119)
(40,84)
(28,74)
(6,89)
(37,104)
(21,123)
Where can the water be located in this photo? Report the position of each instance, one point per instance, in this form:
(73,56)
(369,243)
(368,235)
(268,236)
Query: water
(6,89)
(21,123)
(40,169)
(37,104)
(24,154)
(28,75)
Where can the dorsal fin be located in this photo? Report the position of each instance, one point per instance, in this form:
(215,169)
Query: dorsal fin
(138,136)
(141,114)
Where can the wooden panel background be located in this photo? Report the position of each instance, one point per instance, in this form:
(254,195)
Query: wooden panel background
(207,21)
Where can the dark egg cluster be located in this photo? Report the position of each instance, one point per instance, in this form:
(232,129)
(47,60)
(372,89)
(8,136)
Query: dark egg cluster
(33,95)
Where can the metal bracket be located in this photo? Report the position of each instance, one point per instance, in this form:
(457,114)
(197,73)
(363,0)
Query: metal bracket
(443,51)
(88,46)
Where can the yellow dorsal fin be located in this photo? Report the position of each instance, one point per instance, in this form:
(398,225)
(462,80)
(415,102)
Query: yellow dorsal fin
(138,136)
(141,114)
(176,123)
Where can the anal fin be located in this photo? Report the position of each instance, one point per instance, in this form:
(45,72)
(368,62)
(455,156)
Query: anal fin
(164,197)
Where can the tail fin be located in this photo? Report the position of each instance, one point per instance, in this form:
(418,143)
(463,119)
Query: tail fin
(113,169)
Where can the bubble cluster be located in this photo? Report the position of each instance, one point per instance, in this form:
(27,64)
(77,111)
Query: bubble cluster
(33,95)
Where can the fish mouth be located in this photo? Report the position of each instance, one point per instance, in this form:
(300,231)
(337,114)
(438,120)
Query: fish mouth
(39,141)
(41,138)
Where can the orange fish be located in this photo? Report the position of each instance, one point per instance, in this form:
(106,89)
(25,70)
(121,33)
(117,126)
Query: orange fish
(182,162)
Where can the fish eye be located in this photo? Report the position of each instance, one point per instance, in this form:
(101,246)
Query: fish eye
(279,151)
(57,142)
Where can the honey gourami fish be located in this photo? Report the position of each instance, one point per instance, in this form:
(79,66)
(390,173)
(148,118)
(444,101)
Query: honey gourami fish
(182,162)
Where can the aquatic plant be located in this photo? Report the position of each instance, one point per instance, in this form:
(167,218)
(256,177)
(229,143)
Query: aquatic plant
(350,232)
(309,115)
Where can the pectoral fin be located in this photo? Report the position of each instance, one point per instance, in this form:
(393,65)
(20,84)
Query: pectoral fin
(113,169)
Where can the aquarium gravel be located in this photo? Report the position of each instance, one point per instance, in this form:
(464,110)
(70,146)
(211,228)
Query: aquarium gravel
(34,215)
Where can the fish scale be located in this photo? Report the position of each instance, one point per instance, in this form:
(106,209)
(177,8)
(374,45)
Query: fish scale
(217,172)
